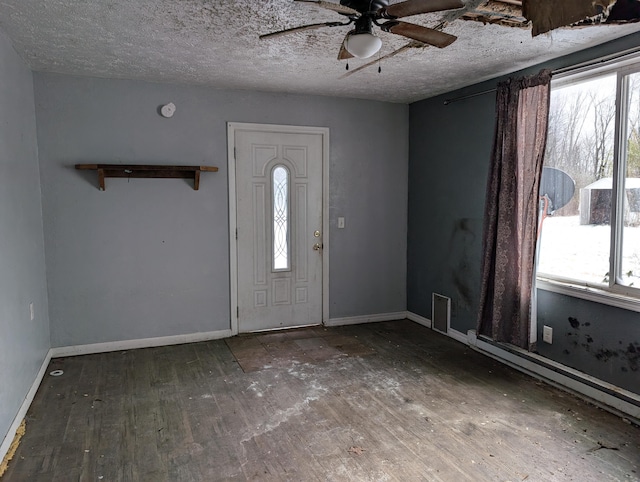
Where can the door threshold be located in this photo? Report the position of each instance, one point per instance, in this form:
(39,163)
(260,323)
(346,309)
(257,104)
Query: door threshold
(280,328)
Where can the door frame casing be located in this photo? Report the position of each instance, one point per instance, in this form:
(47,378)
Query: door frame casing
(232,128)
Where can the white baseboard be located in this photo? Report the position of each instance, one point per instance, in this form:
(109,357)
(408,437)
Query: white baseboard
(22,411)
(421,320)
(564,377)
(356,320)
(139,343)
(457,335)
(554,373)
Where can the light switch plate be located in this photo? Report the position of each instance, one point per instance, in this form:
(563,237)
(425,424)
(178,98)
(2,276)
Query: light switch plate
(340,222)
(547,334)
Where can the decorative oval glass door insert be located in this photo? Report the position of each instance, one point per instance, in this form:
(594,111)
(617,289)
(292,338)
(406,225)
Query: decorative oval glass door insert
(280,184)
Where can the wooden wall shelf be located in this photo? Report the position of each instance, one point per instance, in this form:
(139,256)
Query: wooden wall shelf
(146,171)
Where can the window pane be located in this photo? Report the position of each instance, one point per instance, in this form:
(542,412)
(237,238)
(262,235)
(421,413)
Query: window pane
(575,238)
(280,219)
(630,269)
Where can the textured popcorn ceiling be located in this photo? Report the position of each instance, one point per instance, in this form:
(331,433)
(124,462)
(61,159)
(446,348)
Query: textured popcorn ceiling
(215,43)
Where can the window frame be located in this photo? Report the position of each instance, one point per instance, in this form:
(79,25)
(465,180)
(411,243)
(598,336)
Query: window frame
(615,293)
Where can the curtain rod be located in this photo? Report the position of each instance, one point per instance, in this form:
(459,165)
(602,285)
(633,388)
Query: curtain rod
(561,71)
(469,96)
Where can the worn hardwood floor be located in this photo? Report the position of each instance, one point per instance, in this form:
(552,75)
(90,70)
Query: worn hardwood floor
(385,401)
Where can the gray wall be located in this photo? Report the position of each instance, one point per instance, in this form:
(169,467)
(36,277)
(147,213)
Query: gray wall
(23,343)
(448,164)
(449,155)
(149,258)
(586,334)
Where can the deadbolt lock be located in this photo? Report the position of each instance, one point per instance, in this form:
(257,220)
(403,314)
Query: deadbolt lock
(316,234)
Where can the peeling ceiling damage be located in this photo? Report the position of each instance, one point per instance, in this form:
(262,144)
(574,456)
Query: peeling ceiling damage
(215,43)
(501,12)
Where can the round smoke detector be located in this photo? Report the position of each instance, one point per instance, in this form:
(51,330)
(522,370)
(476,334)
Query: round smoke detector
(168,110)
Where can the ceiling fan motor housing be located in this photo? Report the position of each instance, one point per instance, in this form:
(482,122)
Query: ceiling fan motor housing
(363,25)
(365,5)
(361,42)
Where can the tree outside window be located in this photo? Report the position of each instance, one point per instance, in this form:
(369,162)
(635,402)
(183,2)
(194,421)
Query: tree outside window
(594,137)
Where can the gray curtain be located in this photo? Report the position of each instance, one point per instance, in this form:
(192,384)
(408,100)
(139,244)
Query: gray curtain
(511,209)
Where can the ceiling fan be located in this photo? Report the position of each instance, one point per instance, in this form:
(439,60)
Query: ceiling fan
(361,42)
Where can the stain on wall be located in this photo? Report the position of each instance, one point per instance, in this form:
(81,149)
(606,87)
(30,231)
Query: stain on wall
(597,339)
(449,150)
(465,234)
(581,339)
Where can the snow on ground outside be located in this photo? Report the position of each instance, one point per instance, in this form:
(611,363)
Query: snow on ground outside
(582,252)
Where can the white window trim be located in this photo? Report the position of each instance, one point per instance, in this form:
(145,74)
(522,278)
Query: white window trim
(588,293)
(614,294)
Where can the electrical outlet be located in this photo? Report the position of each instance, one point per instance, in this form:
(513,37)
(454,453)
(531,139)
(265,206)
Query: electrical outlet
(547,334)
(32,313)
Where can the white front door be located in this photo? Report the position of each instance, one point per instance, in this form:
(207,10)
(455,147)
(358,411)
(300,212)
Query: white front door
(279,177)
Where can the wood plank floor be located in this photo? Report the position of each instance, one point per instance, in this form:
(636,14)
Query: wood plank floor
(392,401)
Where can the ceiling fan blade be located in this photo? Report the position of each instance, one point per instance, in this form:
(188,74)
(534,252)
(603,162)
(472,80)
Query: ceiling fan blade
(415,7)
(336,7)
(344,54)
(302,28)
(417,32)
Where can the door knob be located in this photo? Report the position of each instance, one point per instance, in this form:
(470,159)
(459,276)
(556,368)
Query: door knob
(317,247)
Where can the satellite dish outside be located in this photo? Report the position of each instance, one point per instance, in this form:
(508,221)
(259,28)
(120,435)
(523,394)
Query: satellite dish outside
(557,186)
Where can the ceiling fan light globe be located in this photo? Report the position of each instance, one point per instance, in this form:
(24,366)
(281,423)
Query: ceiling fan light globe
(363,45)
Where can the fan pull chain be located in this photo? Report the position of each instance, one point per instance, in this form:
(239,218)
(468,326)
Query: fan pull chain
(379,66)
(347,65)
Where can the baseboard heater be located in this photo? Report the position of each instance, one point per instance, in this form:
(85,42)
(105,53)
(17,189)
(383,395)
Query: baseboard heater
(623,402)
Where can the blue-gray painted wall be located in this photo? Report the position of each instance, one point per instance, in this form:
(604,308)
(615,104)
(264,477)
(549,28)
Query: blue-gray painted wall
(150,257)
(23,342)
(588,335)
(450,147)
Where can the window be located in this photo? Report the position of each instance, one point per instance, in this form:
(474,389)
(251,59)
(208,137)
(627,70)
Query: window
(592,238)
(280,190)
